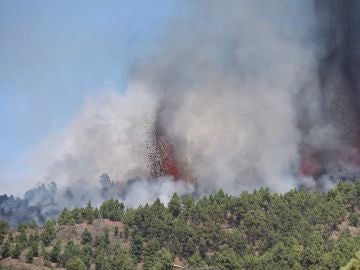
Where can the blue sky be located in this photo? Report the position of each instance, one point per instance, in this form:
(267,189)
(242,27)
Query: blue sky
(53,54)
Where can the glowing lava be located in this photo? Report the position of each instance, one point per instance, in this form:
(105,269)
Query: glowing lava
(167,161)
(164,160)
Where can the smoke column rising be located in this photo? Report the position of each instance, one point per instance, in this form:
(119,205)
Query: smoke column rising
(331,134)
(241,95)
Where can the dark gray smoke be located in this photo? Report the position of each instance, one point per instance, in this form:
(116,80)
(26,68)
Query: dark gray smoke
(339,65)
(242,94)
(331,135)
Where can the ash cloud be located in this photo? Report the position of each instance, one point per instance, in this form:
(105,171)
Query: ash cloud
(245,94)
(331,134)
(227,89)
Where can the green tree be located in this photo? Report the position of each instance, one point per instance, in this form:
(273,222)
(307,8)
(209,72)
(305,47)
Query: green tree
(17,250)
(116,231)
(4,228)
(126,232)
(86,237)
(70,251)
(283,256)
(254,225)
(353,264)
(75,264)
(35,248)
(188,202)
(96,213)
(195,261)
(78,215)
(189,247)
(101,262)
(174,205)
(164,260)
(106,236)
(354,219)
(89,213)
(6,249)
(55,254)
(22,237)
(152,247)
(258,230)
(49,233)
(314,249)
(202,248)
(29,256)
(112,209)
(136,247)
(86,255)
(227,259)
(66,218)
(11,236)
(122,260)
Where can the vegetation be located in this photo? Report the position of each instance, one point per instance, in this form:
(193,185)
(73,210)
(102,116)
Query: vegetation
(258,230)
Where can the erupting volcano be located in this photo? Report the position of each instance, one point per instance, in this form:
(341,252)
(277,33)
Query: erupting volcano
(235,97)
(163,158)
(335,153)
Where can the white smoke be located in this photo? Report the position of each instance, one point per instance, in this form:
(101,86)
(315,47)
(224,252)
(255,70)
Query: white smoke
(224,86)
(145,191)
(110,134)
(227,93)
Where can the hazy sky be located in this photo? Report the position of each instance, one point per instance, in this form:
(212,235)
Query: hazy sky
(53,54)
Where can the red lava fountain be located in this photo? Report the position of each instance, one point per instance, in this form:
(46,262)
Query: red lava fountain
(164,160)
(167,163)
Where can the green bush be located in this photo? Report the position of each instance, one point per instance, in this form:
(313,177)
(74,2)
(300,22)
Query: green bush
(75,264)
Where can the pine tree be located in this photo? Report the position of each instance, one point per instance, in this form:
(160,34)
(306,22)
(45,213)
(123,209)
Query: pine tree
(55,253)
(6,249)
(150,251)
(126,232)
(123,261)
(4,228)
(35,248)
(66,218)
(89,213)
(70,251)
(174,205)
(164,260)
(48,234)
(86,255)
(75,264)
(228,259)
(101,262)
(22,237)
(30,256)
(196,261)
(136,247)
(17,251)
(86,237)
(106,236)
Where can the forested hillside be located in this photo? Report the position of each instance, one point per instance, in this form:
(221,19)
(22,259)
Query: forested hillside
(259,230)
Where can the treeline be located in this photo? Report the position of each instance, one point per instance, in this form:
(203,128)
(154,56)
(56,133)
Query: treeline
(258,230)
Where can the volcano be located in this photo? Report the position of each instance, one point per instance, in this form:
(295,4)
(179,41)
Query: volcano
(163,157)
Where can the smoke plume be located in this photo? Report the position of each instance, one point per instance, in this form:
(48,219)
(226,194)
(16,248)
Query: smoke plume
(330,149)
(242,94)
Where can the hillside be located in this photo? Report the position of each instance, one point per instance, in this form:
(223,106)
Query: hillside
(259,230)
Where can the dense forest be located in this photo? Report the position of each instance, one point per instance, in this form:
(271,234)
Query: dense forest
(258,230)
